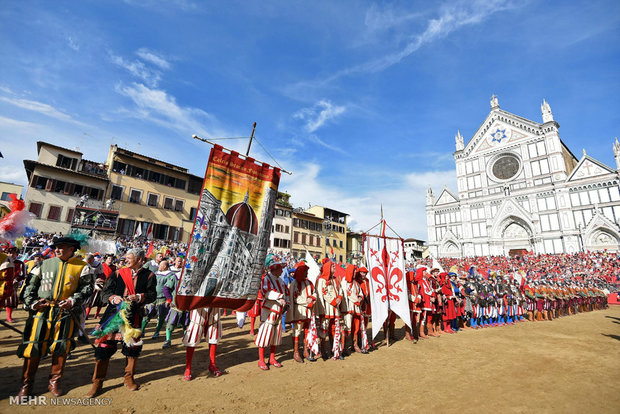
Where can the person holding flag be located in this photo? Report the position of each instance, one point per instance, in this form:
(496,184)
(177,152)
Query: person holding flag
(275,302)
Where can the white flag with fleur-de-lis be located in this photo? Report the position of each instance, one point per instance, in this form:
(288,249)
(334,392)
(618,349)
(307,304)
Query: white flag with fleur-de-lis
(388,285)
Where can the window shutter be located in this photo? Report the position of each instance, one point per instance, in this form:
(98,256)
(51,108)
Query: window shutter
(49,185)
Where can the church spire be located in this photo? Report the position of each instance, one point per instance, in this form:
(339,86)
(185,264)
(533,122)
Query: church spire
(545,109)
(460,143)
(430,198)
(617,153)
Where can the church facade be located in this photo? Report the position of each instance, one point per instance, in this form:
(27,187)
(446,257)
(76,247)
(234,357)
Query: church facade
(520,188)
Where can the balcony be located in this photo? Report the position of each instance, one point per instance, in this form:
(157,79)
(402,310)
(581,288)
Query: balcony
(97,219)
(93,168)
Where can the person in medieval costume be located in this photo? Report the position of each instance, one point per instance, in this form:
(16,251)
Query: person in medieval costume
(425,306)
(126,291)
(175,318)
(107,268)
(97,279)
(362,280)
(449,308)
(275,295)
(436,304)
(329,296)
(203,323)
(12,272)
(411,334)
(302,301)
(158,308)
(55,292)
(153,264)
(353,298)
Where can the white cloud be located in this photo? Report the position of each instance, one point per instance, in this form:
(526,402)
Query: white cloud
(138,69)
(452,17)
(327,145)
(41,108)
(404,204)
(73,44)
(158,106)
(153,58)
(319,114)
(380,19)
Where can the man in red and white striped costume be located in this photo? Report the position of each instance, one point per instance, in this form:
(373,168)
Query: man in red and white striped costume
(302,300)
(353,297)
(275,303)
(329,296)
(204,322)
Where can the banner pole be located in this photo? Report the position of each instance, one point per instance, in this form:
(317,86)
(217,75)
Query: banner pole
(247,153)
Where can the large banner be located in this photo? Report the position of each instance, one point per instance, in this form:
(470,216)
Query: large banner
(388,286)
(227,248)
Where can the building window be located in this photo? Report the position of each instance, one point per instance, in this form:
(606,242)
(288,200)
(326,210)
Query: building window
(311,241)
(341,244)
(135,196)
(54,213)
(153,200)
(192,213)
(318,241)
(546,203)
(549,222)
(66,162)
(36,208)
(537,149)
(540,167)
(178,205)
(70,215)
(194,186)
(5,196)
(286,229)
(296,237)
(168,203)
(116,193)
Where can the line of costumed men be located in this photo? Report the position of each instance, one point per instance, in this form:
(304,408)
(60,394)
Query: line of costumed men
(328,319)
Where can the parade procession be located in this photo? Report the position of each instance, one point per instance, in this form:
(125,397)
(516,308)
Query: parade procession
(332,309)
(309,206)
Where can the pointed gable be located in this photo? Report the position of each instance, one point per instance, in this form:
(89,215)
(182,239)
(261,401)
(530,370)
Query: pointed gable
(446,197)
(589,167)
(501,128)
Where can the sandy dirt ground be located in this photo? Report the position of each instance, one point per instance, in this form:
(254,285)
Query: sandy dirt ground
(571,364)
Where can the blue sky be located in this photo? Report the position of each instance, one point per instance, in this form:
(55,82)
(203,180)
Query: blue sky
(360,100)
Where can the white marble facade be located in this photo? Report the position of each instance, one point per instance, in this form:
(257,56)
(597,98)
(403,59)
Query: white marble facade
(521,188)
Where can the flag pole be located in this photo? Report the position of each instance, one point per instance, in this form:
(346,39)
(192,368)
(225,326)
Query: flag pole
(247,153)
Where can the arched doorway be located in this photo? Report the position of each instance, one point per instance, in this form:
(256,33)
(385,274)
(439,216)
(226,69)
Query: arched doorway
(450,249)
(602,239)
(516,237)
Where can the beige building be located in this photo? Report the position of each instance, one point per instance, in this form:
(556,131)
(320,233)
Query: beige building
(334,231)
(307,234)
(57,181)
(280,238)
(5,190)
(149,191)
(355,248)
(414,250)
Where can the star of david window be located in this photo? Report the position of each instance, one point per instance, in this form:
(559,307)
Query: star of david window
(506,167)
(498,135)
